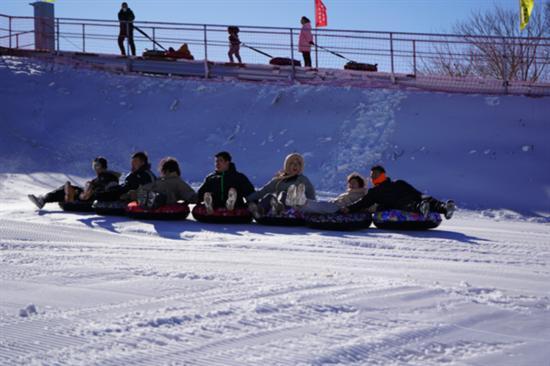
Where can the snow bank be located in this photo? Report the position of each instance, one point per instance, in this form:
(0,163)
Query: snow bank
(485,152)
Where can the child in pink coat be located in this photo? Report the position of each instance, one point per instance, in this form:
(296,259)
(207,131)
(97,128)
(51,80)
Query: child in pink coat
(305,41)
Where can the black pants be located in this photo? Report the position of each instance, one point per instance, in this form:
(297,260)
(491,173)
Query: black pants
(265,202)
(307,58)
(435,205)
(122,36)
(58,195)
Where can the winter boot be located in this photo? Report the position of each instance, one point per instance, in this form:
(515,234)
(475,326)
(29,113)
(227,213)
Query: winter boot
(276,206)
(450,208)
(291,196)
(255,210)
(208,203)
(38,201)
(300,195)
(424,208)
(231,199)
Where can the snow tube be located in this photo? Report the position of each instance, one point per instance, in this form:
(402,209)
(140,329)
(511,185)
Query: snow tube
(76,206)
(110,208)
(284,61)
(168,212)
(403,220)
(360,66)
(289,217)
(222,215)
(339,221)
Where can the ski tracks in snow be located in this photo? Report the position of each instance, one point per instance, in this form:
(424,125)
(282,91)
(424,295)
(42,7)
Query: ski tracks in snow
(250,295)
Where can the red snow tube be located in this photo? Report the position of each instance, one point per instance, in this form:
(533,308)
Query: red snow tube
(222,215)
(177,211)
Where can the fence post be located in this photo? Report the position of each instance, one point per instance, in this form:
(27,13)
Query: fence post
(505,81)
(57,33)
(391,58)
(154,38)
(316,53)
(83,37)
(205,54)
(293,73)
(9,27)
(17,40)
(414,57)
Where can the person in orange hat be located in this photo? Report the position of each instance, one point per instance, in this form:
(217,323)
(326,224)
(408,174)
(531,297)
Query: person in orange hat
(399,195)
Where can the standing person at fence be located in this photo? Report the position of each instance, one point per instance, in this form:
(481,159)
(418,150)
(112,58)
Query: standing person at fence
(126,18)
(234,44)
(305,41)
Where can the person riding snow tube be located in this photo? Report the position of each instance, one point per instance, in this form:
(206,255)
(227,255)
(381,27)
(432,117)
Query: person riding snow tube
(77,199)
(164,199)
(221,196)
(278,202)
(404,220)
(325,215)
(400,205)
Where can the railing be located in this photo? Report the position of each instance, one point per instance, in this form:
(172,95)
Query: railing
(505,62)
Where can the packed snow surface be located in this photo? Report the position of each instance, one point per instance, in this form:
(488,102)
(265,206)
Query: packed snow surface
(82,289)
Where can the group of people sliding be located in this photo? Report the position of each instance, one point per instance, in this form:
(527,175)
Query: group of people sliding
(226,188)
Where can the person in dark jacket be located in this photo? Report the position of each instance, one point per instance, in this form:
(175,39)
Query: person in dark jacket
(93,188)
(126,18)
(140,175)
(387,194)
(234,44)
(226,187)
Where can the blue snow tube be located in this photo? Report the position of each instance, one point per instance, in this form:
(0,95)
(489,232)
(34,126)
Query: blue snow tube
(339,221)
(76,206)
(405,220)
(110,208)
(289,217)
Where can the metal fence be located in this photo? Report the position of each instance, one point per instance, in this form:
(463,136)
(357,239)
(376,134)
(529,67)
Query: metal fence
(435,61)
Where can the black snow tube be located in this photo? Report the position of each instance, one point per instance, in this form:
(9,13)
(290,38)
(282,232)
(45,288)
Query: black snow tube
(168,212)
(339,221)
(77,206)
(284,61)
(289,217)
(110,208)
(404,220)
(222,215)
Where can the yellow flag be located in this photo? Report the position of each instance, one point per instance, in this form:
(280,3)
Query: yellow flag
(525,9)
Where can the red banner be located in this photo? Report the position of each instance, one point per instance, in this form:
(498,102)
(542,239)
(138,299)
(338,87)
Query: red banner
(320,14)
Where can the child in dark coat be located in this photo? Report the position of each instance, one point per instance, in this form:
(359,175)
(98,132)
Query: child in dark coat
(234,44)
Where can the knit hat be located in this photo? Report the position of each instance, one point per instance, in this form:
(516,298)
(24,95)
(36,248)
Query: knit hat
(295,157)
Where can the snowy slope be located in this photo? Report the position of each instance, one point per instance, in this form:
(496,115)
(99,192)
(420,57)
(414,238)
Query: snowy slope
(92,290)
(55,119)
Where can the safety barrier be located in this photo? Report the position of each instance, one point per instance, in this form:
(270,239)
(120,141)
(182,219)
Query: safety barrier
(514,65)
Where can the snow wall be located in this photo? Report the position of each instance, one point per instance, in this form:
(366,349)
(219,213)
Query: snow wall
(483,151)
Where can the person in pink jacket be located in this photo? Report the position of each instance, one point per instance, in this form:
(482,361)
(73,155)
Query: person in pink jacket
(306,40)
